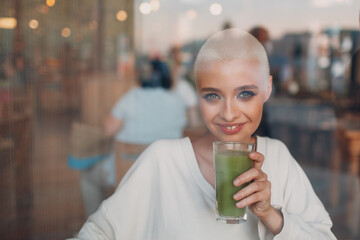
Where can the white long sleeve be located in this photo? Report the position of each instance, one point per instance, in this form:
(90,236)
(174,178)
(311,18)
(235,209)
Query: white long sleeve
(165,196)
(304,215)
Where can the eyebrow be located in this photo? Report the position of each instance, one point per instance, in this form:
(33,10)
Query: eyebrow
(252,86)
(209,89)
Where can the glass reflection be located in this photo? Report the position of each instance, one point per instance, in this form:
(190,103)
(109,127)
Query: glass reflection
(66,61)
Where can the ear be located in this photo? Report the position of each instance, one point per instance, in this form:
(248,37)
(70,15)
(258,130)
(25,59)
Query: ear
(269,89)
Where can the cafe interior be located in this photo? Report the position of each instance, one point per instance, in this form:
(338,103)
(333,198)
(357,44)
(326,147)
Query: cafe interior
(65,63)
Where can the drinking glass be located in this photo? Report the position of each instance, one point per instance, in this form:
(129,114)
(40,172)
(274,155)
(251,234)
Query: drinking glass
(230,160)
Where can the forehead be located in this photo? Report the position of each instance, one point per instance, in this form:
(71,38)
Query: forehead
(237,71)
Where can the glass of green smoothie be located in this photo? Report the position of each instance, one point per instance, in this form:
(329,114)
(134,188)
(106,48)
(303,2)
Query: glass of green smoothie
(230,160)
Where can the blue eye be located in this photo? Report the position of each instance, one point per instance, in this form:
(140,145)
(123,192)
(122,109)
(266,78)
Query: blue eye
(246,94)
(211,97)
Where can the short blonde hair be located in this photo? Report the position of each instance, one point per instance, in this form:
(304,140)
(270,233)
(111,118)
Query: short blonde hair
(232,44)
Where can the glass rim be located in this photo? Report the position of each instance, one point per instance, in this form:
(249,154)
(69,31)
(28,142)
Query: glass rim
(232,142)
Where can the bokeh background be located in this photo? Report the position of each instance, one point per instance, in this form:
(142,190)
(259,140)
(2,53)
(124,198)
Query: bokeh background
(66,61)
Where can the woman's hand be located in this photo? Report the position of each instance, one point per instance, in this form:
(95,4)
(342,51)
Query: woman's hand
(257,194)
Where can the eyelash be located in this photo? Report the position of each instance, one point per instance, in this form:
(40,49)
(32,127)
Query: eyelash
(210,97)
(244,95)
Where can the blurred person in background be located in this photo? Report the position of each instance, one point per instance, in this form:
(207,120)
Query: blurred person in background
(262,35)
(276,66)
(149,111)
(146,113)
(354,86)
(183,87)
(17,68)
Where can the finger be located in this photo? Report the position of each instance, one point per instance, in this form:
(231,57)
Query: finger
(251,174)
(258,159)
(258,197)
(250,189)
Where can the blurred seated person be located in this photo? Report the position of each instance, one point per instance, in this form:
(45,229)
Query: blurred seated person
(262,35)
(354,86)
(150,111)
(146,113)
(183,87)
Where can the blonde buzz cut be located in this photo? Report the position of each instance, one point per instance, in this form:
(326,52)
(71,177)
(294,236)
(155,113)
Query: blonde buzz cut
(232,44)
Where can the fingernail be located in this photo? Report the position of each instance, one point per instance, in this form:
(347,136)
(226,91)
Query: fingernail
(236,181)
(236,196)
(240,205)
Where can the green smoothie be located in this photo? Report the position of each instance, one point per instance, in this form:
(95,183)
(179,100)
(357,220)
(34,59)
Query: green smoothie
(228,165)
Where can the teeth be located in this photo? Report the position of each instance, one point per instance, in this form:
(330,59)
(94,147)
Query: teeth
(231,128)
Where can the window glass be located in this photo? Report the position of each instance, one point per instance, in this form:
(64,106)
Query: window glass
(65,63)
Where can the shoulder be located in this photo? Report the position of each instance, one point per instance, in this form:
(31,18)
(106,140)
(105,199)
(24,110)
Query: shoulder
(161,154)
(272,146)
(134,90)
(166,147)
(172,98)
(130,94)
(277,155)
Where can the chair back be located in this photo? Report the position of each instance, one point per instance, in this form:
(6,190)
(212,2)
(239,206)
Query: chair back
(125,156)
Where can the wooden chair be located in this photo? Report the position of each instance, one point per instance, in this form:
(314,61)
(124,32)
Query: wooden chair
(348,144)
(125,155)
(347,148)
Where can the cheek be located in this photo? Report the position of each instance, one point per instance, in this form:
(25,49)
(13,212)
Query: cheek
(207,110)
(255,111)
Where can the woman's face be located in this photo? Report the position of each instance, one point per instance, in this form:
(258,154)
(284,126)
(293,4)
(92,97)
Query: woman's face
(231,96)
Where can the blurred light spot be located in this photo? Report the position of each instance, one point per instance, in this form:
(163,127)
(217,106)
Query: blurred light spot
(321,3)
(33,24)
(145,8)
(324,62)
(329,3)
(66,32)
(337,69)
(347,44)
(93,25)
(293,87)
(215,9)
(50,3)
(7,23)
(121,15)
(191,14)
(155,5)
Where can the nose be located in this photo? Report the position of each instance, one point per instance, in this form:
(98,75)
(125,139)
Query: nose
(229,111)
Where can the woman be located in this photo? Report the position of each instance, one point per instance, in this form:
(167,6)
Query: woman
(169,192)
(149,112)
(144,114)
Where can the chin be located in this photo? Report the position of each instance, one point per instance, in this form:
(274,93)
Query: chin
(231,138)
(239,138)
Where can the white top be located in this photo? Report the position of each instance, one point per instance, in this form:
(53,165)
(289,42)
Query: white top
(186,92)
(165,196)
(150,114)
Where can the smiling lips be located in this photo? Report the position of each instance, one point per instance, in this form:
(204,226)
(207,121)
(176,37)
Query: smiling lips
(231,128)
